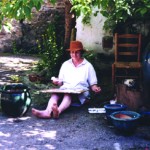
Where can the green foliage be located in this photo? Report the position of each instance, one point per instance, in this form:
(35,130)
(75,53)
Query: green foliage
(92,57)
(82,8)
(19,9)
(50,51)
(15,78)
(17,50)
(1,16)
(115,11)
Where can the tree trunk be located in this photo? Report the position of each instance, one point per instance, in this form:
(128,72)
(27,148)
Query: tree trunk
(69,23)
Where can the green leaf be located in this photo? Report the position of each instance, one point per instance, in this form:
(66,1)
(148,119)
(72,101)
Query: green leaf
(25,1)
(148,6)
(27,11)
(53,1)
(143,11)
(38,6)
(31,4)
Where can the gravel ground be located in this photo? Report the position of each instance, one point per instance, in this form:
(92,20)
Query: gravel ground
(76,129)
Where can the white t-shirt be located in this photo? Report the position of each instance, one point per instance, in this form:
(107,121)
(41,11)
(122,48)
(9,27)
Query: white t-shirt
(81,77)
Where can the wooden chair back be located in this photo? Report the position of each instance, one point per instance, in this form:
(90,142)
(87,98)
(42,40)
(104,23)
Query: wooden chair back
(127,47)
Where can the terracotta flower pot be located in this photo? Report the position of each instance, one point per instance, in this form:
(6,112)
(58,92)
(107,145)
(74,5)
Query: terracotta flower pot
(34,77)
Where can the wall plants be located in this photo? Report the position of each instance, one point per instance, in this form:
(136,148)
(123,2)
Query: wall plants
(117,12)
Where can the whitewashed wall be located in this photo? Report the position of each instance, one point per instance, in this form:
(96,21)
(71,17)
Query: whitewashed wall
(91,35)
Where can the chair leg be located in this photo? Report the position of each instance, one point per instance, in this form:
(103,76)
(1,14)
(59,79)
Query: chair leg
(113,76)
(140,76)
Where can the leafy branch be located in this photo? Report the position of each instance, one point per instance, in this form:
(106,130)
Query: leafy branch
(115,11)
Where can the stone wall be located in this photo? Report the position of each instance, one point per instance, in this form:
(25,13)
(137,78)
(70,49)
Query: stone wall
(23,35)
(7,37)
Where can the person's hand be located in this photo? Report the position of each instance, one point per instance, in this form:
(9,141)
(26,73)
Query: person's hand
(56,81)
(96,88)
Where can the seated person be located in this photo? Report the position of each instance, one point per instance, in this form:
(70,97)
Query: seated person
(75,73)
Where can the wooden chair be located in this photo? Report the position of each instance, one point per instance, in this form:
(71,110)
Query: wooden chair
(127,63)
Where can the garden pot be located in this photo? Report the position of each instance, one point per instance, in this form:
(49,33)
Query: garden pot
(15,100)
(110,108)
(34,78)
(125,121)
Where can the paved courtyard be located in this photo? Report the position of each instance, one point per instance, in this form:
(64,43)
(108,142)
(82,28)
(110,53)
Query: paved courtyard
(76,129)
